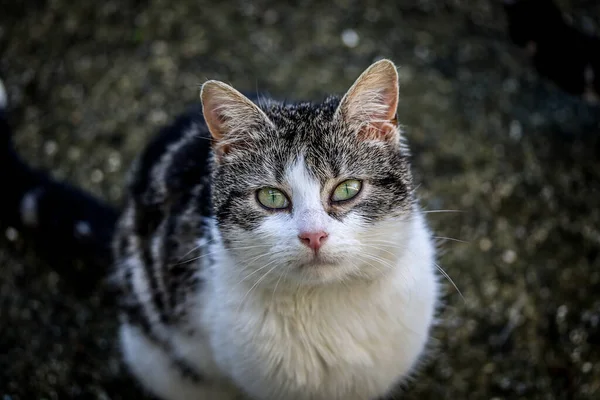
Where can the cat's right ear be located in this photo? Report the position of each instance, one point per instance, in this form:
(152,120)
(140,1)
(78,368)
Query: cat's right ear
(369,106)
(229,115)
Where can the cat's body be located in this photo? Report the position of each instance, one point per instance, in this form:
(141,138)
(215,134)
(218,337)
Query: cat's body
(276,251)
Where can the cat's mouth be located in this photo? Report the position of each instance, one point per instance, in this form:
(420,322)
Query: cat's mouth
(321,269)
(318,261)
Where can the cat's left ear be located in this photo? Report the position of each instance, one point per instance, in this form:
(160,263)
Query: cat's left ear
(231,117)
(370,105)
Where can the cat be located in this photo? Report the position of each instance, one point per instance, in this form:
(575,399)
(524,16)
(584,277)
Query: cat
(272,251)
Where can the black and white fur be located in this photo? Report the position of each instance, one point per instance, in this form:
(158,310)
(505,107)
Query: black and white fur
(219,297)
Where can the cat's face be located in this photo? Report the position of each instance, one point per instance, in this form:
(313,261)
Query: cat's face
(309,193)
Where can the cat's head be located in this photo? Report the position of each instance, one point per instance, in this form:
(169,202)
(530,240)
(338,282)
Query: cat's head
(311,192)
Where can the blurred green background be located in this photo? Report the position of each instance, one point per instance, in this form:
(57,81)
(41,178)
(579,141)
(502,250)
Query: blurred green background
(90,83)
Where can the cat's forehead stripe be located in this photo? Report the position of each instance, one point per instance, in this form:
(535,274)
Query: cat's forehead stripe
(305,188)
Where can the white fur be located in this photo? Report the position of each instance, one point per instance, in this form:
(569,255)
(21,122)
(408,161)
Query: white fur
(350,340)
(279,328)
(325,333)
(153,368)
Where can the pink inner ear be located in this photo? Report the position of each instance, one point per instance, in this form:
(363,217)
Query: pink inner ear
(390,100)
(378,131)
(215,120)
(219,117)
(380,119)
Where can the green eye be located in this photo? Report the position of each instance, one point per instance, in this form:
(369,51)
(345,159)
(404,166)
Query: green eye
(346,190)
(272,198)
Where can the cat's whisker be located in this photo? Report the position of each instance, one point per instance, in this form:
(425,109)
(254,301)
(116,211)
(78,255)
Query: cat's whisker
(395,244)
(391,242)
(378,238)
(256,284)
(382,273)
(257,270)
(450,280)
(190,260)
(257,246)
(441,211)
(383,262)
(245,265)
(217,252)
(451,239)
(370,246)
(210,139)
(197,247)
(247,262)
(186,254)
(386,243)
(277,284)
(446,275)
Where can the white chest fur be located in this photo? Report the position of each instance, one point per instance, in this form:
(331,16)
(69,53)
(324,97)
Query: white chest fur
(349,341)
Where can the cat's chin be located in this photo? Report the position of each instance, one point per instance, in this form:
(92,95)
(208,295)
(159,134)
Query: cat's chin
(318,263)
(319,270)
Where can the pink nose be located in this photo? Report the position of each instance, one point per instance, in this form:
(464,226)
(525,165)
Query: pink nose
(314,240)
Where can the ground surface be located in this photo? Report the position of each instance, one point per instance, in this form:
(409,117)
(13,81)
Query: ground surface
(89,83)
